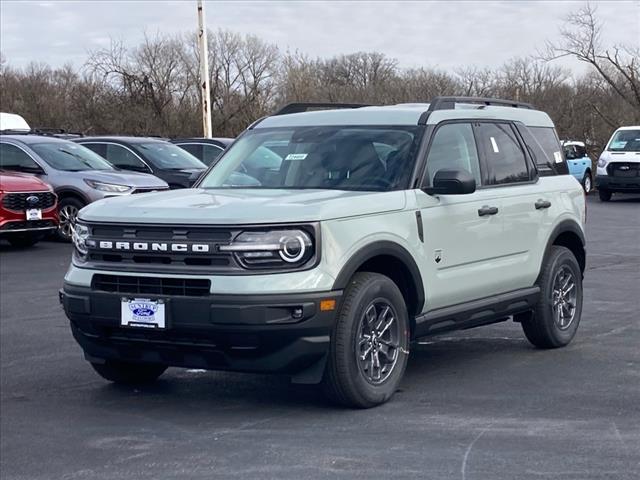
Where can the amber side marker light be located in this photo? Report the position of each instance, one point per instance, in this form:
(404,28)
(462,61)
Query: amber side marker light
(327,305)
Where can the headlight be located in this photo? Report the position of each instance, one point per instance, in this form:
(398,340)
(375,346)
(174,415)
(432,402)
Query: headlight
(79,238)
(277,248)
(602,162)
(108,187)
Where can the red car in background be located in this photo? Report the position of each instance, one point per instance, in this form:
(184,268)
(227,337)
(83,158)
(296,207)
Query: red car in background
(28,209)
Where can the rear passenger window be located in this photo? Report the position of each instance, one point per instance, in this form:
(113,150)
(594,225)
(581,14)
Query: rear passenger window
(504,158)
(194,149)
(99,148)
(210,154)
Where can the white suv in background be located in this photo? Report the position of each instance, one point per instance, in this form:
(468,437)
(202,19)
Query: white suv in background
(377,226)
(619,164)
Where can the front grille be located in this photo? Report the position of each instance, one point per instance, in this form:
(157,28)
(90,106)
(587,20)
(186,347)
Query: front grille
(28,225)
(17,202)
(623,169)
(152,260)
(148,190)
(192,287)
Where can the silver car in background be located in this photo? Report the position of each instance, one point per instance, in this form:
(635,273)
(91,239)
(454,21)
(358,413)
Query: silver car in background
(78,175)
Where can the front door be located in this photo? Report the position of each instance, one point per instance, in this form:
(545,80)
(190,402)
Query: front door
(463,234)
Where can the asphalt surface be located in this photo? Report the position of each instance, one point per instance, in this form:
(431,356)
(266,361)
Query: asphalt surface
(480,404)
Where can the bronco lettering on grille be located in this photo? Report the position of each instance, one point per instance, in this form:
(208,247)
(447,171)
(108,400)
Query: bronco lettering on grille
(154,246)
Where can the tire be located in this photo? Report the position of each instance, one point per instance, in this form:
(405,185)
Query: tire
(128,373)
(68,209)
(546,327)
(357,382)
(587,182)
(605,195)
(24,241)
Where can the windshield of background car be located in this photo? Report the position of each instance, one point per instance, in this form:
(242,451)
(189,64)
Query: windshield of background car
(625,141)
(169,156)
(70,157)
(323,157)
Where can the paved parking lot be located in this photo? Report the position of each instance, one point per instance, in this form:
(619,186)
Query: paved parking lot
(481,404)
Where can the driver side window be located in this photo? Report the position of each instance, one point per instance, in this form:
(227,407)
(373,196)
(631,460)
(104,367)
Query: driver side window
(122,158)
(13,158)
(453,146)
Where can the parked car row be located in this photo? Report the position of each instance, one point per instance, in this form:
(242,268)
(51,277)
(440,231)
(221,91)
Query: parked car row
(82,169)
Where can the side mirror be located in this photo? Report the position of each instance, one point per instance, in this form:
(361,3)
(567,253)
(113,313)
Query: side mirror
(451,182)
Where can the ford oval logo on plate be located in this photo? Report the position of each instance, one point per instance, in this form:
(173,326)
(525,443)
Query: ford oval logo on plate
(142,313)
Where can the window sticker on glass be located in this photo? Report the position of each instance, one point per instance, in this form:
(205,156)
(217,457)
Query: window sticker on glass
(557,157)
(494,145)
(618,144)
(296,156)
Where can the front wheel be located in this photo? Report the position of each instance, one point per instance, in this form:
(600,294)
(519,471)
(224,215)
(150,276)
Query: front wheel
(128,373)
(587,183)
(605,195)
(555,320)
(68,209)
(370,343)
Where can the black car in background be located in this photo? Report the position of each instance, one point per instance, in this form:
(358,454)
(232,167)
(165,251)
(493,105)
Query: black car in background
(169,162)
(207,150)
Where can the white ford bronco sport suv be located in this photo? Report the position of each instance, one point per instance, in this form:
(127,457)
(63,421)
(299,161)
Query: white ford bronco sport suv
(351,233)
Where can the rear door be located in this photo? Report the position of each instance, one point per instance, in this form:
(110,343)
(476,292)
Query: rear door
(509,172)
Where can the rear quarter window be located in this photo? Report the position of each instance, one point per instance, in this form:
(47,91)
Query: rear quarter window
(544,146)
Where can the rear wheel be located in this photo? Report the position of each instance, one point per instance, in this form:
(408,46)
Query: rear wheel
(128,373)
(369,345)
(605,195)
(555,320)
(23,241)
(587,182)
(68,209)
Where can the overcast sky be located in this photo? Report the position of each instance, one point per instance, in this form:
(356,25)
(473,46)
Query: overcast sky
(441,34)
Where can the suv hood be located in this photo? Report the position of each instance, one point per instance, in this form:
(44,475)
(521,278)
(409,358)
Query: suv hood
(621,156)
(21,182)
(241,206)
(120,177)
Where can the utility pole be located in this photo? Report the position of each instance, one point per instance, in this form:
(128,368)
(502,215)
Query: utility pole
(205,91)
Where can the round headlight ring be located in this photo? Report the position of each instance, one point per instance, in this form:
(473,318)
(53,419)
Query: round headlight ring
(288,251)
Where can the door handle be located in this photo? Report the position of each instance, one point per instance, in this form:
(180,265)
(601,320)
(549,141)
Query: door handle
(540,204)
(487,210)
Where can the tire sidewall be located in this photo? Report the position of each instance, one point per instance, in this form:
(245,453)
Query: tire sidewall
(587,178)
(378,288)
(561,257)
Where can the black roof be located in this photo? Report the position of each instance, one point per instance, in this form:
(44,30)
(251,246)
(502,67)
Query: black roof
(121,139)
(213,141)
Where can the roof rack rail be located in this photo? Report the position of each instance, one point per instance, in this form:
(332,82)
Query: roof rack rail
(449,103)
(305,107)
(44,131)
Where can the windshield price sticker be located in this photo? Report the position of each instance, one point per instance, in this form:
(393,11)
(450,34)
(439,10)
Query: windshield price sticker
(296,156)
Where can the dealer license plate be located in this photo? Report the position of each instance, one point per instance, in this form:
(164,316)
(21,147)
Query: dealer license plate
(34,214)
(142,313)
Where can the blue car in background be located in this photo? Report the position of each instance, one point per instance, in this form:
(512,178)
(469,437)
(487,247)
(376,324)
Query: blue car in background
(579,163)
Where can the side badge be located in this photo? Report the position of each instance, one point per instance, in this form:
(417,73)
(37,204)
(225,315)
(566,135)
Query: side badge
(437,255)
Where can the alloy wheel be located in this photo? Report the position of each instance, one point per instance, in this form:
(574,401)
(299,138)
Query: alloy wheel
(564,297)
(378,342)
(68,215)
(587,184)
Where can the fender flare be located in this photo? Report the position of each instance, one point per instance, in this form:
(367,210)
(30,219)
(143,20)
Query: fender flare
(565,226)
(61,192)
(379,248)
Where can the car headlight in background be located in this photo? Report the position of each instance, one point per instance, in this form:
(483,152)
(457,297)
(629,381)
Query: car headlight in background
(79,237)
(602,162)
(272,249)
(108,187)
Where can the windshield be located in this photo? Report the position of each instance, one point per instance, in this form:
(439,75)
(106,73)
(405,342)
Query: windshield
(337,158)
(70,157)
(169,156)
(625,141)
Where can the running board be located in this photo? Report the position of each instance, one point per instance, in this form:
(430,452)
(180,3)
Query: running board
(477,312)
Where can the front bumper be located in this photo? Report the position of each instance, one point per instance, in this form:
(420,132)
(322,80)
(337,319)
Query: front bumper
(618,184)
(248,333)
